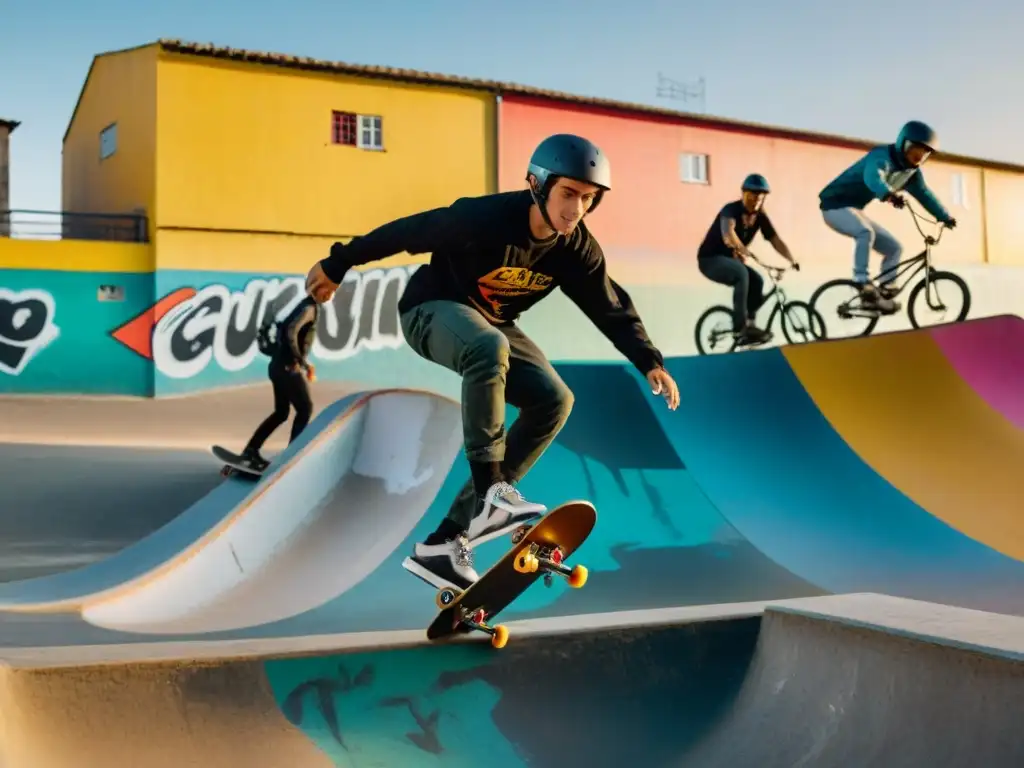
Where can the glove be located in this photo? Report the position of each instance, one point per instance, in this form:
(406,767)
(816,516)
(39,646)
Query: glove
(950,223)
(896,201)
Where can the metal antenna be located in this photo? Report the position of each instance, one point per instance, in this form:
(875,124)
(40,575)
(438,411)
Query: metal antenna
(679,90)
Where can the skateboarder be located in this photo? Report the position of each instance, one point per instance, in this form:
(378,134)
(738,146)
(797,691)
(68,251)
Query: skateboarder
(290,373)
(492,258)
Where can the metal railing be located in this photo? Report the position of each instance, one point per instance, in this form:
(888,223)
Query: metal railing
(67,225)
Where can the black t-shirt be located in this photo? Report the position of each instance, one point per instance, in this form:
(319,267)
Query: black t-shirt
(483,254)
(714,243)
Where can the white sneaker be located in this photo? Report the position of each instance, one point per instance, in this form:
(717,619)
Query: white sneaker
(443,565)
(503,509)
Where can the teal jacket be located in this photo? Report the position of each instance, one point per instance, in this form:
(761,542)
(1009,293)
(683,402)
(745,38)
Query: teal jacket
(876,176)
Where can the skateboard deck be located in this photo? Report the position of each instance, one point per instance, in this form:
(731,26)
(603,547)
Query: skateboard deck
(539,549)
(233,463)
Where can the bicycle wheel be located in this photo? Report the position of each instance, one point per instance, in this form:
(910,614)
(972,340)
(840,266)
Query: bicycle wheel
(714,328)
(839,301)
(941,287)
(801,323)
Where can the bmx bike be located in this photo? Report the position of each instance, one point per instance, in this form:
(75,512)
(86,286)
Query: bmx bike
(796,317)
(845,302)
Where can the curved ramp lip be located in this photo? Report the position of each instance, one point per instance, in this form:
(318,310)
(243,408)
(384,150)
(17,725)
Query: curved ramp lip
(357,407)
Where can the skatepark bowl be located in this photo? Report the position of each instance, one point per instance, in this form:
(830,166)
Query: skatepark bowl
(849,592)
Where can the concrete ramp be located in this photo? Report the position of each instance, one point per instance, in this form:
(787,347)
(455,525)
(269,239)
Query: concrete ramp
(830,682)
(818,683)
(331,507)
(870,680)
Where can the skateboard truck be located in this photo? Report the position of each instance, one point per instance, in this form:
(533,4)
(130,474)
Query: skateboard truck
(471,619)
(549,560)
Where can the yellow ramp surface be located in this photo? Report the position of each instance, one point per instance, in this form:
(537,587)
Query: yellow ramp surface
(902,408)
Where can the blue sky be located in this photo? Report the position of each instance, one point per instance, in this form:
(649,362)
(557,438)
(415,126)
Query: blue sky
(859,69)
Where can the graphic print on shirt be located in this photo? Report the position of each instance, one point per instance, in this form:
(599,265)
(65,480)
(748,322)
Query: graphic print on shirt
(504,283)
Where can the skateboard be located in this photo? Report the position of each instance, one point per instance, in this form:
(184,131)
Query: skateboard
(539,548)
(232,463)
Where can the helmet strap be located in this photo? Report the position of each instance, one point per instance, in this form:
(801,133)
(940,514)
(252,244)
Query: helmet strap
(541,199)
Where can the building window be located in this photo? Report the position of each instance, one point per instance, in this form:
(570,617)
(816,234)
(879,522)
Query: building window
(371,132)
(108,141)
(343,128)
(960,190)
(352,130)
(693,168)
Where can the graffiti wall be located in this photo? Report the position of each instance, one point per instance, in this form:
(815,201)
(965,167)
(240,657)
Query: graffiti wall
(183,331)
(54,332)
(199,332)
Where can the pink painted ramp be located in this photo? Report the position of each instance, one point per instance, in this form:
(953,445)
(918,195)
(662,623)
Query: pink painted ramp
(988,354)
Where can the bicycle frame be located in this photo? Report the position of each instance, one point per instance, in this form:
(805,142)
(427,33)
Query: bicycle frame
(774,276)
(906,269)
(923,260)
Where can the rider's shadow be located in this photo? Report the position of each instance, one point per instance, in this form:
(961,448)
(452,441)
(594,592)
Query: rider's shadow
(612,424)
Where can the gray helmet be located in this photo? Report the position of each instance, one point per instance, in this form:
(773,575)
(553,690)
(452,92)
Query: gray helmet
(572,157)
(755,182)
(917,132)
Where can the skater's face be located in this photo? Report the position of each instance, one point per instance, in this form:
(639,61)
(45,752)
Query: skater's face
(568,202)
(917,154)
(753,201)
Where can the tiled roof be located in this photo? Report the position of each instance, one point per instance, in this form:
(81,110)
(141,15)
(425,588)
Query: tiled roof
(494,86)
(502,88)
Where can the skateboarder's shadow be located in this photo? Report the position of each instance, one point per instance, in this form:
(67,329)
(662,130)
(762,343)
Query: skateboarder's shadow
(612,424)
(324,690)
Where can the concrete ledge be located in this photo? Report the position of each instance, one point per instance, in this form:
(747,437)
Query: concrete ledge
(201,651)
(991,633)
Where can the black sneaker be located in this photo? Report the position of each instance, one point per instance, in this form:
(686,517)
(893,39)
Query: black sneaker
(443,565)
(254,461)
(888,291)
(751,334)
(500,511)
(871,299)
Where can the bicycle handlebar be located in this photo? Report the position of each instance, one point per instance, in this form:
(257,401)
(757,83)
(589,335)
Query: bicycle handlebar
(917,217)
(775,272)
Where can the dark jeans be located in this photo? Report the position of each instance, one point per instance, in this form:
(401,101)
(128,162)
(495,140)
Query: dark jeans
(498,365)
(290,389)
(747,285)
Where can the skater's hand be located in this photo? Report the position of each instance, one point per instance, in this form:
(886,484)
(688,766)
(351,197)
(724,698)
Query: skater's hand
(310,372)
(317,281)
(664,385)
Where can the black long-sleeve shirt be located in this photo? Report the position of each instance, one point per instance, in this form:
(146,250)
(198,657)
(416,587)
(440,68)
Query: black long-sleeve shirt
(296,333)
(484,255)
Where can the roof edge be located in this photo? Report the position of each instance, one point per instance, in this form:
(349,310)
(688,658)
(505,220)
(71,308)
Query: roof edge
(499,88)
(88,76)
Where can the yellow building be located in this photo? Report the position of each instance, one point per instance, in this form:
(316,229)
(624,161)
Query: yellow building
(257,162)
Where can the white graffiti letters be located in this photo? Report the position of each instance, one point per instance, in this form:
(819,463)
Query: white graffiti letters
(220,325)
(363,315)
(26,327)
